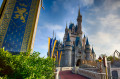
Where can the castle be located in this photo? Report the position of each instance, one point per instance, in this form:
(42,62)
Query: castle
(76,48)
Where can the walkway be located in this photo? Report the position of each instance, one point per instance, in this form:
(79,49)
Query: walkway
(70,75)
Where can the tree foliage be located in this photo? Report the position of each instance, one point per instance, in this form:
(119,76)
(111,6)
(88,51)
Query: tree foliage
(25,66)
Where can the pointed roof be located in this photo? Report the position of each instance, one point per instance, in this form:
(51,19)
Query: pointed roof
(68,37)
(93,50)
(87,42)
(71,25)
(84,36)
(79,13)
(66,25)
(53,33)
(55,36)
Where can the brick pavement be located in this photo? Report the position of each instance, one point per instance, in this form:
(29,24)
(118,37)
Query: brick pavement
(70,75)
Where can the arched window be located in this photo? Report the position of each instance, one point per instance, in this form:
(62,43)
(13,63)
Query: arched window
(114,74)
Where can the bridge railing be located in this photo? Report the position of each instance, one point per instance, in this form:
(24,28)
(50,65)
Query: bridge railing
(64,68)
(92,63)
(91,74)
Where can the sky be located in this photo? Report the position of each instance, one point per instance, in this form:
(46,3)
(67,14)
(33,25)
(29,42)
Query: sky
(100,23)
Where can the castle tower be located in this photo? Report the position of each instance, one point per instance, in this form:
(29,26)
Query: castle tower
(66,29)
(79,21)
(94,56)
(87,50)
(68,52)
(84,42)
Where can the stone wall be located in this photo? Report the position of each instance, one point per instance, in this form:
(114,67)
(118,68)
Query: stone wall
(91,74)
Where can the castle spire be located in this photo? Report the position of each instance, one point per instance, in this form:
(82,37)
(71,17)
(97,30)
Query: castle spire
(87,42)
(79,12)
(93,50)
(84,36)
(79,21)
(68,37)
(66,25)
(53,33)
(55,36)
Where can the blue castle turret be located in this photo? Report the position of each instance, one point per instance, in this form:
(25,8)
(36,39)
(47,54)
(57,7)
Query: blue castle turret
(68,51)
(87,50)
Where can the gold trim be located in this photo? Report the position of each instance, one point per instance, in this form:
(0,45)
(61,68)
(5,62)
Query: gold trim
(33,26)
(2,7)
(5,20)
(27,40)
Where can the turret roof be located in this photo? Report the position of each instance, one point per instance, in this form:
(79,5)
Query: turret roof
(66,25)
(70,26)
(68,37)
(87,42)
(93,50)
(79,13)
(84,36)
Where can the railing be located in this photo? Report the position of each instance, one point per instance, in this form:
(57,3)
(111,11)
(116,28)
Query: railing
(91,63)
(91,74)
(64,68)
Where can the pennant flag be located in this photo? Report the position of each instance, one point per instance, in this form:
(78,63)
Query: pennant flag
(51,46)
(54,44)
(59,54)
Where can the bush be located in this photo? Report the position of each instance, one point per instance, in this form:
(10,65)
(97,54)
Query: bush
(25,66)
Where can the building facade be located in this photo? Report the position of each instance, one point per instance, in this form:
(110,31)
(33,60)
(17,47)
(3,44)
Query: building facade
(75,46)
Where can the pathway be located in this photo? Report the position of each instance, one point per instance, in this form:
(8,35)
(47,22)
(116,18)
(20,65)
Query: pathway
(70,75)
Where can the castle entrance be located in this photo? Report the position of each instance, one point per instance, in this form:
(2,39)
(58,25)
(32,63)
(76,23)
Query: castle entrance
(78,62)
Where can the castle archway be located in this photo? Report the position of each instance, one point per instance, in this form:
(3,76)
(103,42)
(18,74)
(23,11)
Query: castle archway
(78,62)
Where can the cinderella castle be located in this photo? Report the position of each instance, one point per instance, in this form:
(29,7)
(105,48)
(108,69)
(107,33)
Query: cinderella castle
(76,48)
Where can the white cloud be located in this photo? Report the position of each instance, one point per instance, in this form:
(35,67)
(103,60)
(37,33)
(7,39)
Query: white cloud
(71,5)
(106,39)
(111,5)
(60,35)
(110,21)
(90,21)
(51,27)
(87,2)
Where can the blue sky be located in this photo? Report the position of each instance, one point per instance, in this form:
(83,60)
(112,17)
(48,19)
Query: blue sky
(101,23)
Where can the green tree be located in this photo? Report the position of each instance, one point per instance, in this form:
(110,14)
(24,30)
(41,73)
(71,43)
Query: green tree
(25,66)
(111,58)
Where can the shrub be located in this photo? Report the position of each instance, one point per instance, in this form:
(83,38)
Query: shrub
(25,66)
